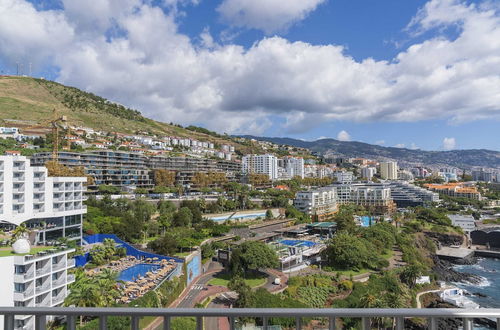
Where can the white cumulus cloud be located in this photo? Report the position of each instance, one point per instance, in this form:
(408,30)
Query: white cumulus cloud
(343,136)
(266,15)
(449,143)
(132,52)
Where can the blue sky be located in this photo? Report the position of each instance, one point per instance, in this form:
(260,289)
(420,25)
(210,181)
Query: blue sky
(413,73)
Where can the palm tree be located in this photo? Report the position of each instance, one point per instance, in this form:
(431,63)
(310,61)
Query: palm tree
(409,275)
(20,232)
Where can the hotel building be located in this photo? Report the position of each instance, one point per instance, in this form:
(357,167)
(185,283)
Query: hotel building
(261,164)
(320,203)
(51,208)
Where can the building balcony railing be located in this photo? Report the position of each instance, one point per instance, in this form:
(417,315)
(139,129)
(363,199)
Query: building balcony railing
(70,278)
(20,296)
(42,288)
(71,263)
(19,278)
(365,315)
(59,265)
(42,271)
(58,299)
(60,281)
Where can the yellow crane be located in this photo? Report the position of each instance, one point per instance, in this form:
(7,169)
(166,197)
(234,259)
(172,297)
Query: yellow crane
(54,123)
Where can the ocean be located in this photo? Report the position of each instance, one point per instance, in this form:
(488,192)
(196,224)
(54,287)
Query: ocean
(489,270)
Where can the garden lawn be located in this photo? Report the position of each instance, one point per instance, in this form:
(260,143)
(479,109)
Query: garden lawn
(252,280)
(5,252)
(386,256)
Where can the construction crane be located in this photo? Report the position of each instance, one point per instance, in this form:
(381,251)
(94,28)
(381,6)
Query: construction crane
(54,123)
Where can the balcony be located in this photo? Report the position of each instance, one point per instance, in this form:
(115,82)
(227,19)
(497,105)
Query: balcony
(330,314)
(18,178)
(19,278)
(70,278)
(59,198)
(42,271)
(60,281)
(39,178)
(21,296)
(59,299)
(60,265)
(42,288)
(18,190)
(18,200)
(71,263)
(19,167)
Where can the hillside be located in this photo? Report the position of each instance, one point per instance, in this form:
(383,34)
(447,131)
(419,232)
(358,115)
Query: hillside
(28,101)
(458,158)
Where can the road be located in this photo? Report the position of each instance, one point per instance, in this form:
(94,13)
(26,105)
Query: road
(224,300)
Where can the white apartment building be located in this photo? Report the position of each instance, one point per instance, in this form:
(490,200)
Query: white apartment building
(466,222)
(261,164)
(51,208)
(52,205)
(368,172)
(405,175)
(294,166)
(374,196)
(389,170)
(39,280)
(320,203)
(344,176)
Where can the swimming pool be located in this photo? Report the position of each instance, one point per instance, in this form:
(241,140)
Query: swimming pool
(132,273)
(295,242)
(365,221)
(239,216)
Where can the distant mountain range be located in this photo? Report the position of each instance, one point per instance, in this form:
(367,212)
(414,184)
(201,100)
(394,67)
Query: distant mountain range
(465,159)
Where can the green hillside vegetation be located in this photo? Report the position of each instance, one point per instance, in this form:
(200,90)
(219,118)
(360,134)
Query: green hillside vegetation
(28,101)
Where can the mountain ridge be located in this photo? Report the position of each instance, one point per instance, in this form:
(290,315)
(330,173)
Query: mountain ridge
(467,158)
(25,101)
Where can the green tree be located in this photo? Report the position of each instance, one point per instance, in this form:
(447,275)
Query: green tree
(183,217)
(252,256)
(409,274)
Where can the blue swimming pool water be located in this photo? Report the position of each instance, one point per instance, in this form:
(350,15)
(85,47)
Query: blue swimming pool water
(132,273)
(239,216)
(365,221)
(295,242)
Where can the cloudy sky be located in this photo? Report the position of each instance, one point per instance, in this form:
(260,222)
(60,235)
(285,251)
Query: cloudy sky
(412,73)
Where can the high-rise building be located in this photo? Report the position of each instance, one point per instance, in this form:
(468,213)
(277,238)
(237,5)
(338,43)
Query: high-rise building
(389,170)
(51,208)
(52,205)
(343,176)
(483,175)
(368,172)
(261,164)
(294,166)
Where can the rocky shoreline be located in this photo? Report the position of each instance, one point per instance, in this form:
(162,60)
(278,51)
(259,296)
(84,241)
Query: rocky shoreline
(445,272)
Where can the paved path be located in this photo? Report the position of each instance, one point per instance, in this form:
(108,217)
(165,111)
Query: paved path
(419,304)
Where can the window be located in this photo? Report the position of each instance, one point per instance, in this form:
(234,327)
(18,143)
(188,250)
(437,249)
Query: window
(19,287)
(20,269)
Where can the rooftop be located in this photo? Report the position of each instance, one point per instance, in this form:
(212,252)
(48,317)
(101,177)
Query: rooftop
(8,252)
